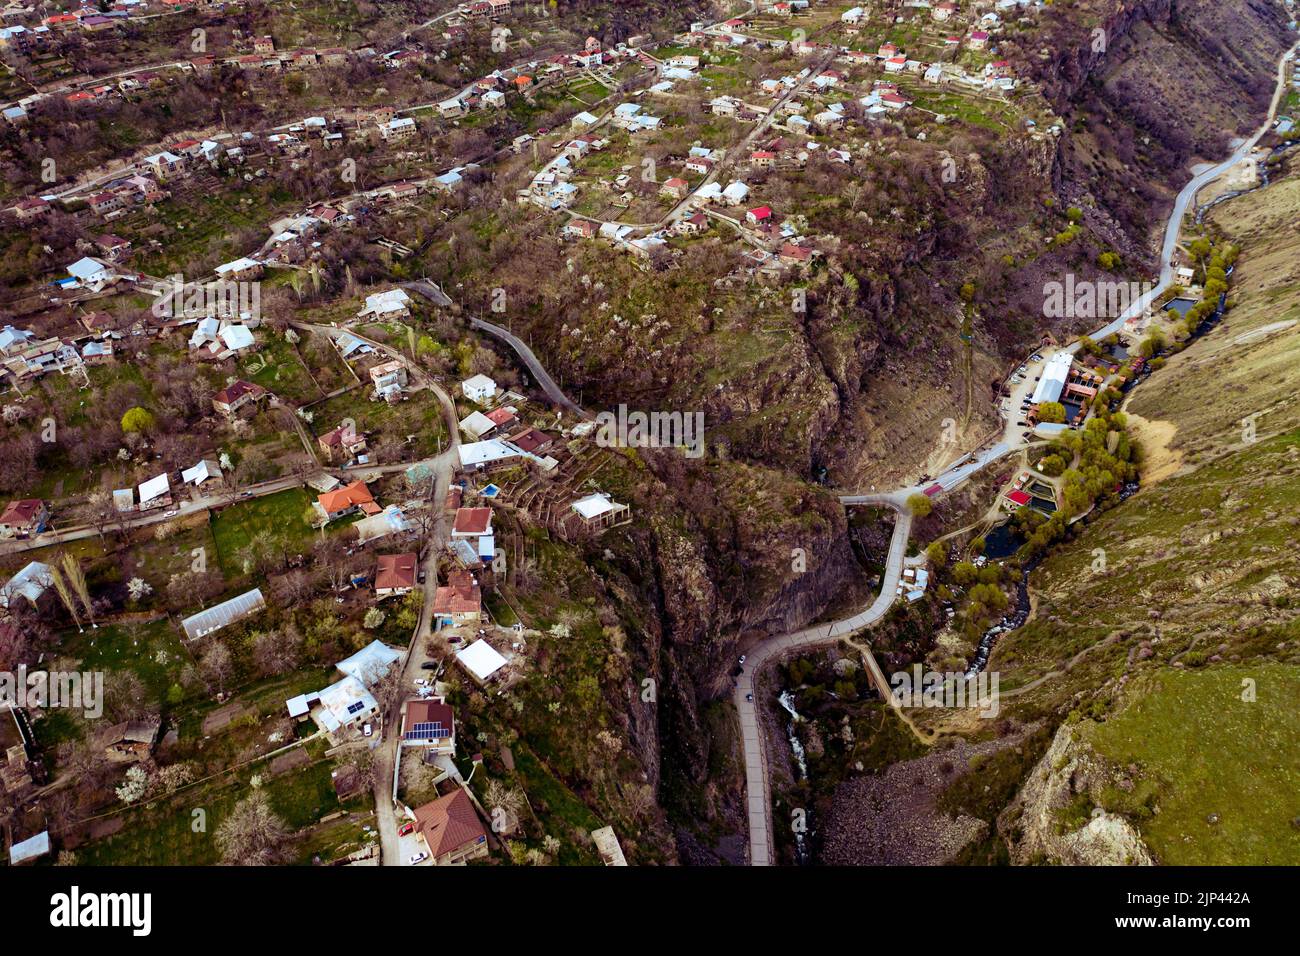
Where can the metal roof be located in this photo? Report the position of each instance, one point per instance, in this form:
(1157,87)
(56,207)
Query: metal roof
(227,612)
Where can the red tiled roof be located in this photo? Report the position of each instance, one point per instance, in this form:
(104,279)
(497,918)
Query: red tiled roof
(395,571)
(530,440)
(449,823)
(472,520)
(22,512)
(461,595)
(355,494)
(234,392)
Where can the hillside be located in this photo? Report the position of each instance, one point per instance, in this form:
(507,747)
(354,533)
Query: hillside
(1182,702)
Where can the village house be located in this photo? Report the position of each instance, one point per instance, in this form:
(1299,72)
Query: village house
(391,304)
(114,248)
(943,12)
(389,378)
(342,443)
(397,129)
(164,164)
(429,723)
(235,396)
(240,270)
(699,164)
(599,511)
(31,208)
(580,229)
(347,500)
(24,517)
(105,202)
(675,187)
(459,602)
(693,225)
(204,470)
(479,388)
(129,741)
(449,827)
(395,574)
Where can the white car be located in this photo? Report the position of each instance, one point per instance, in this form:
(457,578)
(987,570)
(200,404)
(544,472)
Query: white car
(170,514)
(417,858)
(367,730)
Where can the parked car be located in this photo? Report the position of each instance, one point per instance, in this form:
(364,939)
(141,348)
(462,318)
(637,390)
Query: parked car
(742,658)
(406,830)
(170,514)
(417,858)
(367,730)
(428,665)
(749,697)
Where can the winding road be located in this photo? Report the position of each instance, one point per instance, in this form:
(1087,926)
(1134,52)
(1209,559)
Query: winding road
(758,801)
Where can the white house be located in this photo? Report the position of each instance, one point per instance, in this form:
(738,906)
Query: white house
(478,388)
(390,304)
(735,194)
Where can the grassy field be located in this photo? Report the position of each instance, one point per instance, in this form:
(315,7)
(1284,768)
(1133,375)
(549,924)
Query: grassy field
(280,515)
(1204,751)
(164,833)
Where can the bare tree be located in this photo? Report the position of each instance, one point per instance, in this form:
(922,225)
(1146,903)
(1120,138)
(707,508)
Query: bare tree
(252,835)
(217,666)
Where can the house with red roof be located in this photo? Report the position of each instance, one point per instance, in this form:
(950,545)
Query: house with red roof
(347,500)
(429,723)
(24,517)
(450,829)
(236,395)
(1018,498)
(395,574)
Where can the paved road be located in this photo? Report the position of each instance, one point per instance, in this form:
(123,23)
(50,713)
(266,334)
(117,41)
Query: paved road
(388,751)
(1187,197)
(431,291)
(758,795)
(762,850)
(196,505)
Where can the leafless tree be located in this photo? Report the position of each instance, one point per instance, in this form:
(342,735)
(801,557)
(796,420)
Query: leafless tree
(252,835)
(217,666)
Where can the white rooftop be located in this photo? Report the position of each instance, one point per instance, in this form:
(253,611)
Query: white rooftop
(204,470)
(1055,373)
(154,488)
(31,582)
(30,848)
(484,452)
(371,662)
(219,615)
(239,265)
(595,505)
(481,659)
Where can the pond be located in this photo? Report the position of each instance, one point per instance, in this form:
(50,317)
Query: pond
(1002,542)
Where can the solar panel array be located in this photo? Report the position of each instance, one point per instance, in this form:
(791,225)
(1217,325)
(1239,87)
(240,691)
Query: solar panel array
(428,730)
(356,706)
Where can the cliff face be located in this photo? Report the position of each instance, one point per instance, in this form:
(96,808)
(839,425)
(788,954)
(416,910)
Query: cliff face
(1145,89)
